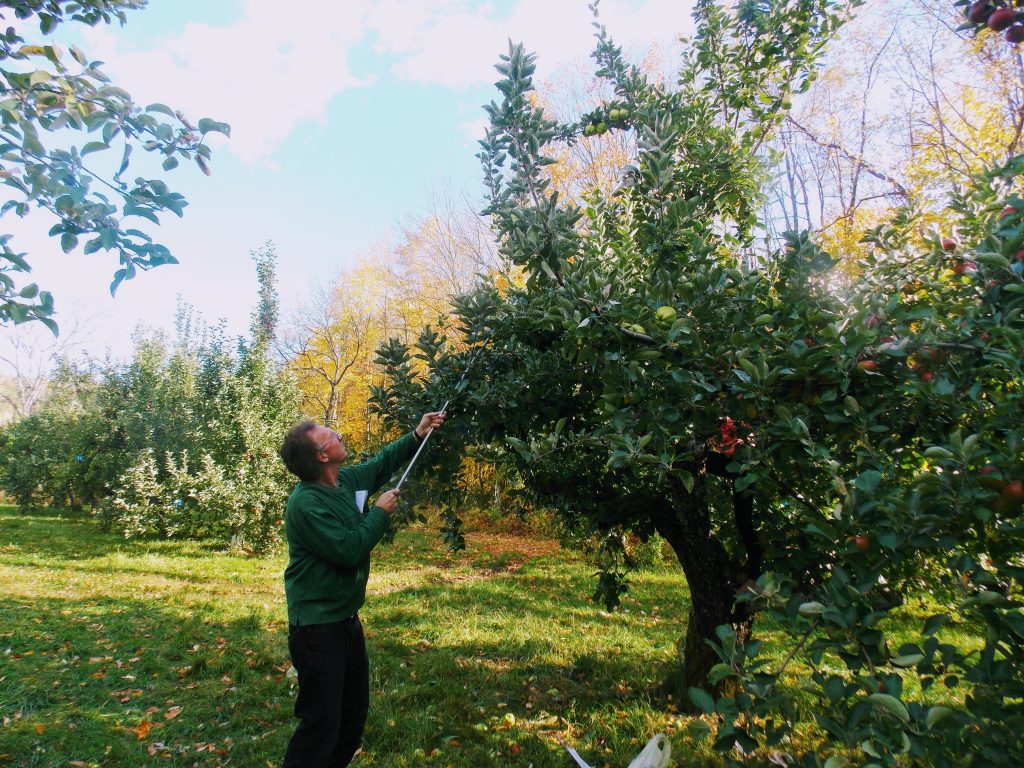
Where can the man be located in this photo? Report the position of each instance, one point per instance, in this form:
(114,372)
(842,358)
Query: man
(330,535)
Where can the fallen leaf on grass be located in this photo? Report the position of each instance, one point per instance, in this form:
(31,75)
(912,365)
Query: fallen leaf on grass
(142,729)
(172,713)
(40,728)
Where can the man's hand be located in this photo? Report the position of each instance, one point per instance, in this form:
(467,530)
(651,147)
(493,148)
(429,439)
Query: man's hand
(388,501)
(430,421)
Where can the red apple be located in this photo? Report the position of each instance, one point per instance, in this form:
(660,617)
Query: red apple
(960,267)
(1019,255)
(1001,18)
(927,376)
(861,541)
(1014,491)
(948,244)
(988,477)
(1007,211)
(868,365)
(1015,34)
(978,12)
(873,321)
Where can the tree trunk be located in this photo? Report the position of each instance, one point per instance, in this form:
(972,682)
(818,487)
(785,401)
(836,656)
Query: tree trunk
(712,577)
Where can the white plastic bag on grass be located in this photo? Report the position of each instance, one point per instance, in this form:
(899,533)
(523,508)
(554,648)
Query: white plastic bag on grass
(655,755)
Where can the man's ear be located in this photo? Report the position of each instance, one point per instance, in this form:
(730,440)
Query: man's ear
(321,458)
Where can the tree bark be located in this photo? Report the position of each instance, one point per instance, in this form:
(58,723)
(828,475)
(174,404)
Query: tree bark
(713,578)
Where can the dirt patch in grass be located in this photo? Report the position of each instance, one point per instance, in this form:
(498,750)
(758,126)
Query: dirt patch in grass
(507,551)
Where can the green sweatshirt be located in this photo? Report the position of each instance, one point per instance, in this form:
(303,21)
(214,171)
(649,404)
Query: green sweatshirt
(330,537)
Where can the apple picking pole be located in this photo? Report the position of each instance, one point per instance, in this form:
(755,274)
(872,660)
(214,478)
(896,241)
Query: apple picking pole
(458,388)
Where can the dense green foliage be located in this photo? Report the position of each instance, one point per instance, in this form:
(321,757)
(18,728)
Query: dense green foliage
(180,441)
(47,97)
(815,451)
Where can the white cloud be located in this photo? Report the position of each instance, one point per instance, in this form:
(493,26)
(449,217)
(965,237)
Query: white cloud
(267,75)
(475,129)
(458,44)
(262,74)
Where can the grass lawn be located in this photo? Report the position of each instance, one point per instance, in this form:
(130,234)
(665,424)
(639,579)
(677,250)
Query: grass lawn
(136,653)
(146,653)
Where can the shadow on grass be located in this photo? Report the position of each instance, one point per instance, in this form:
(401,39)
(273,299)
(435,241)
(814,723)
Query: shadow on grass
(51,535)
(104,679)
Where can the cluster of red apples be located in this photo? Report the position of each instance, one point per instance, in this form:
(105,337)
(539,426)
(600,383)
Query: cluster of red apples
(1005,17)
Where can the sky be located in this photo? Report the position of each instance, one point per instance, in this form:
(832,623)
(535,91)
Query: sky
(347,118)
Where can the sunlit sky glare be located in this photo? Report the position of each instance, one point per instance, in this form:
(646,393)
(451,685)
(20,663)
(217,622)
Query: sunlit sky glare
(347,118)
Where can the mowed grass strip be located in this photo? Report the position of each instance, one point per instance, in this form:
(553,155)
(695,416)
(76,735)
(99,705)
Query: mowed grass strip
(137,653)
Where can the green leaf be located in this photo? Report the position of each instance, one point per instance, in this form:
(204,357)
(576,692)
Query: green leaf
(206,125)
(868,481)
(702,699)
(811,608)
(869,749)
(910,660)
(993,259)
(93,146)
(890,704)
(68,242)
(836,761)
(162,109)
(119,277)
(749,367)
(936,715)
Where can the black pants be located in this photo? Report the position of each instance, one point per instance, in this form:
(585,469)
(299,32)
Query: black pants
(334,693)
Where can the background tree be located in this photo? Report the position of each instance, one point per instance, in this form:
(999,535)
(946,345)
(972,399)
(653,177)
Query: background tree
(47,96)
(180,441)
(30,354)
(331,338)
(847,158)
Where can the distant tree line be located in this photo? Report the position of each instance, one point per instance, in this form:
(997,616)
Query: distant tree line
(180,441)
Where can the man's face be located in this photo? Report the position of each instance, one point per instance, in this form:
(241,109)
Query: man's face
(329,445)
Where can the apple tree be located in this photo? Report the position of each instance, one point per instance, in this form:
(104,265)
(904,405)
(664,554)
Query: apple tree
(47,97)
(825,452)
(593,386)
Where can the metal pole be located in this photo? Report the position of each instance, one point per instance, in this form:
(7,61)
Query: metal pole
(443,409)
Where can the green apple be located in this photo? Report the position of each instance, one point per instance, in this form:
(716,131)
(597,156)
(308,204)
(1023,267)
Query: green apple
(665,316)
